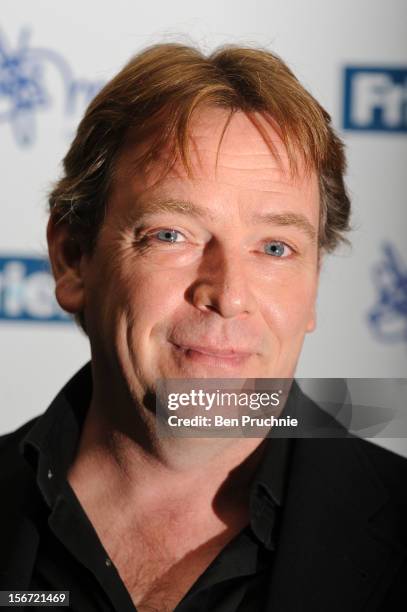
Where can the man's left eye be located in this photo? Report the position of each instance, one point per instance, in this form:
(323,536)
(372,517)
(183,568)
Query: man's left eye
(277,249)
(168,235)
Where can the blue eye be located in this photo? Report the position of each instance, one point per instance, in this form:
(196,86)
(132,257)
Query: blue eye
(167,235)
(276,248)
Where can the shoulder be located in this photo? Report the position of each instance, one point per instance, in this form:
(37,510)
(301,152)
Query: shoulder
(327,456)
(390,467)
(353,471)
(338,445)
(17,481)
(74,396)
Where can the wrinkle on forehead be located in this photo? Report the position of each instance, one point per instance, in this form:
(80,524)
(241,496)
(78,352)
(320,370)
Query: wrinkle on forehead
(231,186)
(247,185)
(214,134)
(252,166)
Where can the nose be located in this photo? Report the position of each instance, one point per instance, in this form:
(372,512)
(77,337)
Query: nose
(222,285)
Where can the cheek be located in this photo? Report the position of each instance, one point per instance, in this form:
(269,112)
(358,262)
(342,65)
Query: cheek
(289,306)
(149,298)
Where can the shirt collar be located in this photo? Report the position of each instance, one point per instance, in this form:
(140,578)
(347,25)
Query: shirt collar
(50,445)
(268,488)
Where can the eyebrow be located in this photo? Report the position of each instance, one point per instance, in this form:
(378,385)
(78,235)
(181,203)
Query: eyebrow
(286,219)
(145,210)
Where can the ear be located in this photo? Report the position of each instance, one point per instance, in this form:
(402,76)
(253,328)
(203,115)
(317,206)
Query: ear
(66,260)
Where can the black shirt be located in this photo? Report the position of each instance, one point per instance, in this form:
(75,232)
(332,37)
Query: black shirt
(72,558)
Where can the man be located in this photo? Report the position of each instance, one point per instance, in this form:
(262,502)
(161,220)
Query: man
(186,237)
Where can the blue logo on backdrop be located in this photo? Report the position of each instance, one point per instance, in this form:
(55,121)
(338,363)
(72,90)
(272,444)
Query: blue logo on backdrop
(27,291)
(388,317)
(375,99)
(25,75)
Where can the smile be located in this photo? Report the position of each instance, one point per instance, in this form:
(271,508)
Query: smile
(213,357)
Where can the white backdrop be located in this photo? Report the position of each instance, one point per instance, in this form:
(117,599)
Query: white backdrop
(53,58)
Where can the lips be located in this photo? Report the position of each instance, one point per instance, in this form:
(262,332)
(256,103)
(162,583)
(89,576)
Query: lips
(214,351)
(227,359)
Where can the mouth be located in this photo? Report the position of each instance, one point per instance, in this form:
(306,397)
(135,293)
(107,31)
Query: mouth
(213,356)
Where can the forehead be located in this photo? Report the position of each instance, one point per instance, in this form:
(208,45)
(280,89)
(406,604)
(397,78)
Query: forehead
(227,151)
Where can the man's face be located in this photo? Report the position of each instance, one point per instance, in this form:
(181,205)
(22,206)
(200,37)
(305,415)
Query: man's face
(210,276)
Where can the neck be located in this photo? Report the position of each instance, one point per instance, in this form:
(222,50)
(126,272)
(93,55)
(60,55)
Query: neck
(120,456)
